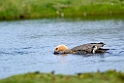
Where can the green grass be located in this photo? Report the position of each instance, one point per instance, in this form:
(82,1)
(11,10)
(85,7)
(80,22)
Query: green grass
(98,77)
(22,9)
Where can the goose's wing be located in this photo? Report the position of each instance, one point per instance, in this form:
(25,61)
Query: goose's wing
(99,45)
(87,47)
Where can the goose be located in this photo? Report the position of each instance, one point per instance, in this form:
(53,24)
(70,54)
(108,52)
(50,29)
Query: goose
(82,49)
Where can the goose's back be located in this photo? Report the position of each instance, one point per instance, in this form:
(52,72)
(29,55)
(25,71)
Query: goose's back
(87,47)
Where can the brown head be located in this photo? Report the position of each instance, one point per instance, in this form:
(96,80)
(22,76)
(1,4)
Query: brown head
(60,48)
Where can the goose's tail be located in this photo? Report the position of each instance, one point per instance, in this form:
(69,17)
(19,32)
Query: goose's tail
(101,50)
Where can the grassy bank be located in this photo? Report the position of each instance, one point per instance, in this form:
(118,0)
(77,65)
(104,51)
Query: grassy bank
(23,9)
(106,77)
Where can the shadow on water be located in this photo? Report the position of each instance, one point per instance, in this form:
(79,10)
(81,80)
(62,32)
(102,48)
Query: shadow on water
(82,55)
(27,46)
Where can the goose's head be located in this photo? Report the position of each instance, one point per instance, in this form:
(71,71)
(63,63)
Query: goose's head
(60,48)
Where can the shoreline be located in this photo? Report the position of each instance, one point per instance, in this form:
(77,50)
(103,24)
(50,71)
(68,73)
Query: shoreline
(110,76)
(63,9)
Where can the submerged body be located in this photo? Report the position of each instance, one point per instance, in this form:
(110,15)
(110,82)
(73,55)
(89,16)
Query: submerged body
(82,49)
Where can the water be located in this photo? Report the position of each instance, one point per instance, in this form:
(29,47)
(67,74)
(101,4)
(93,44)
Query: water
(27,46)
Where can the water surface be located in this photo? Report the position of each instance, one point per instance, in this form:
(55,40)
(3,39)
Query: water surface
(27,46)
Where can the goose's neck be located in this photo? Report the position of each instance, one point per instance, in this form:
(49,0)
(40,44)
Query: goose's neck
(68,51)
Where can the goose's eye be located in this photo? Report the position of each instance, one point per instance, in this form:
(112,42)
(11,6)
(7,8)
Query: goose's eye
(56,48)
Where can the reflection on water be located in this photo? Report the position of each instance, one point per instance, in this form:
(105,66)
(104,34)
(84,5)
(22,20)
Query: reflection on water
(27,46)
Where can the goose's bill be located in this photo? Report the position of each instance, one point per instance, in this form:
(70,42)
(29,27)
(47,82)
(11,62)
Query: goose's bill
(56,52)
